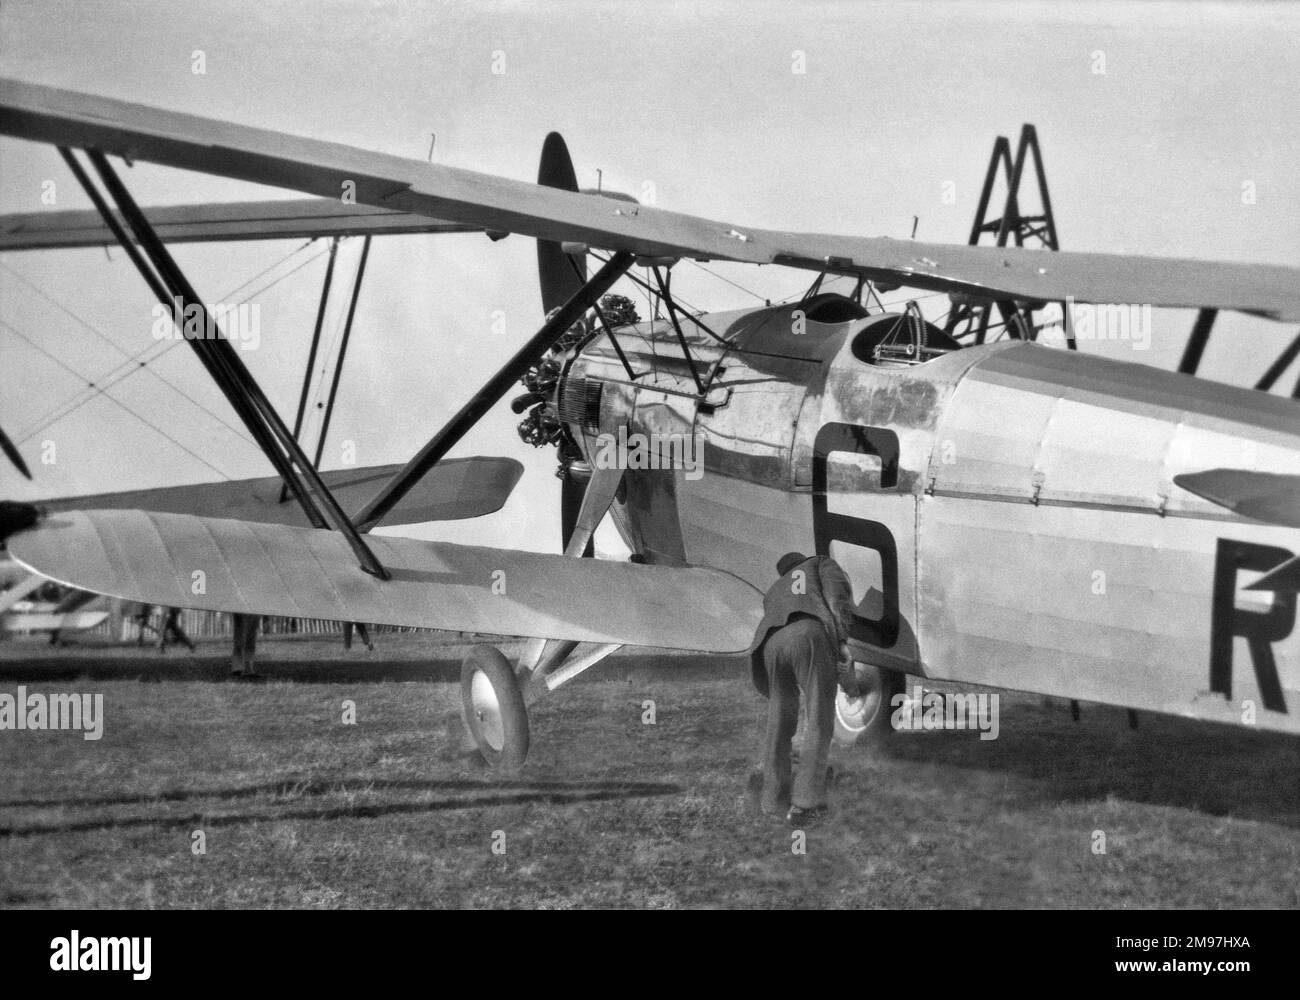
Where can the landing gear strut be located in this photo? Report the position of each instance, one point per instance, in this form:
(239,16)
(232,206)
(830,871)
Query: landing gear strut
(492,701)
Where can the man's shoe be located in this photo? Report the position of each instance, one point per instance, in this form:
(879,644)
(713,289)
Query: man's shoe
(777,805)
(800,817)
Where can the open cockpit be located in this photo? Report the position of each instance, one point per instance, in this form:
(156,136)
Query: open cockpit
(901,339)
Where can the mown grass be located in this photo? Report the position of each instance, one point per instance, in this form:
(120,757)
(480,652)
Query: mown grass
(299,810)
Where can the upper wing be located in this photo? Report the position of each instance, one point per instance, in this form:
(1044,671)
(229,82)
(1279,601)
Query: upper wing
(177,560)
(137,131)
(298,218)
(454,489)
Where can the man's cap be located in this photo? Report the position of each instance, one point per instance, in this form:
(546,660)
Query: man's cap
(788,562)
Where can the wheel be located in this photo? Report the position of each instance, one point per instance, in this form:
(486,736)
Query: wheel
(493,708)
(867,717)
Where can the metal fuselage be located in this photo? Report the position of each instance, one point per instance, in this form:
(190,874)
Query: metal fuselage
(1006,512)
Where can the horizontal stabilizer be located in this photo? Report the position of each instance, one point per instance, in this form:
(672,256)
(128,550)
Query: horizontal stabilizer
(240,567)
(1285,579)
(1262,496)
(454,489)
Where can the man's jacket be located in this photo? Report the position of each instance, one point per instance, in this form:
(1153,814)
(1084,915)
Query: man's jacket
(817,587)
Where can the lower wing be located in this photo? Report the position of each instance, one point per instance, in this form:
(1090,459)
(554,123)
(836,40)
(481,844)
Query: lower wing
(179,560)
(456,488)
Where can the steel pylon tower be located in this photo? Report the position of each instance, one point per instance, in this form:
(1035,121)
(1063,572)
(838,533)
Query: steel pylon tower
(970,317)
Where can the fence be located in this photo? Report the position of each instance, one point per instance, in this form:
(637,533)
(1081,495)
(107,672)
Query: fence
(216,625)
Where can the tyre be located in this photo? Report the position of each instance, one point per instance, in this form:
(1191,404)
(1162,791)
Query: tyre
(867,717)
(494,709)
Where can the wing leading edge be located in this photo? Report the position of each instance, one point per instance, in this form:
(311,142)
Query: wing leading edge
(137,131)
(177,560)
(297,218)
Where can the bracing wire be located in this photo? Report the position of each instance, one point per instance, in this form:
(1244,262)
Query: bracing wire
(133,363)
(113,399)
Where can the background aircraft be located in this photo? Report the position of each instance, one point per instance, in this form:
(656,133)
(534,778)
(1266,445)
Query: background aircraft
(23,609)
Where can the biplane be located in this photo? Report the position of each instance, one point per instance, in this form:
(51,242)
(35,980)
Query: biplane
(24,608)
(1011,514)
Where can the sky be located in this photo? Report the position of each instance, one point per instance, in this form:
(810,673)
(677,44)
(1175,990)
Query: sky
(1154,120)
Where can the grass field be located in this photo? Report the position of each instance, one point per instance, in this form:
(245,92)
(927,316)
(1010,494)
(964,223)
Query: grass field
(300,810)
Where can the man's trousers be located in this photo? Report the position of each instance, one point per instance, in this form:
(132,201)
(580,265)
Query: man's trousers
(799,658)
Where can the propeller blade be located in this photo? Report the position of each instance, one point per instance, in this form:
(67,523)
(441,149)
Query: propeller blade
(8,447)
(555,268)
(571,493)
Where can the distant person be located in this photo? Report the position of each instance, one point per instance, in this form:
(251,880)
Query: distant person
(242,661)
(141,618)
(801,646)
(173,632)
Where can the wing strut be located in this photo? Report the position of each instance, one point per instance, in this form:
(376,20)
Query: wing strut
(311,354)
(220,359)
(604,324)
(704,328)
(343,352)
(500,383)
(1280,365)
(1197,342)
(677,327)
